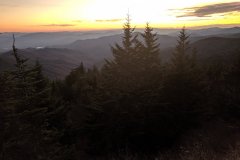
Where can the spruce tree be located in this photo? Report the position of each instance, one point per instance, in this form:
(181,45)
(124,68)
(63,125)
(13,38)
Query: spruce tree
(183,71)
(183,89)
(181,58)
(120,73)
(232,88)
(78,86)
(151,47)
(123,53)
(149,59)
(28,133)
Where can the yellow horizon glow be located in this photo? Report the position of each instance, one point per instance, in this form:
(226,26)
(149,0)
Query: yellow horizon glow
(75,15)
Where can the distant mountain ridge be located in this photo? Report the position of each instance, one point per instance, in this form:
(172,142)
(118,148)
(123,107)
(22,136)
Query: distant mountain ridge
(46,39)
(57,63)
(210,31)
(219,48)
(58,60)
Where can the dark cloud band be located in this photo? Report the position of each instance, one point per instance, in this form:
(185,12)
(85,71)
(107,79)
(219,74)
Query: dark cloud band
(206,11)
(57,25)
(109,20)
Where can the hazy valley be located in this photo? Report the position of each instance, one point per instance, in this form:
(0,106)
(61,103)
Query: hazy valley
(60,52)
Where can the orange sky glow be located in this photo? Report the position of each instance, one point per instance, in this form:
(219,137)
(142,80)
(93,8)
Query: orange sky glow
(75,15)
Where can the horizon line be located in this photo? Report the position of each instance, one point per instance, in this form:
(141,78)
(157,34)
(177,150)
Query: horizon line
(112,29)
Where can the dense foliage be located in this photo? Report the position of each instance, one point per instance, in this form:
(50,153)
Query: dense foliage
(134,102)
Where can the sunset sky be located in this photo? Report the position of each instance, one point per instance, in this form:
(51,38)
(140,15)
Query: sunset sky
(73,15)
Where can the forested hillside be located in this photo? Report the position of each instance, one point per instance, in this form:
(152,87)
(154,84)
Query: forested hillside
(137,105)
(58,61)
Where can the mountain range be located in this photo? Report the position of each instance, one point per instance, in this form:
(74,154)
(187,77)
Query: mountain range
(60,52)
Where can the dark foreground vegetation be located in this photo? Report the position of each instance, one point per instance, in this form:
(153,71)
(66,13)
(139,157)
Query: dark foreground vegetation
(134,107)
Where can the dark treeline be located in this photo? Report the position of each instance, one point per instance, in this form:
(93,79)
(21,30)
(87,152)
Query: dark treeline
(133,103)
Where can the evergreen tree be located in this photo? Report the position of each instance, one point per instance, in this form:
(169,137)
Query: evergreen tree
(75,74)
(129,109)
(150,69)
(3,110)
(81,84)
(183,72)
(28,132)
(181,60)
(183,89)
(232,89)
(124,53)
(120,73)
(151,48)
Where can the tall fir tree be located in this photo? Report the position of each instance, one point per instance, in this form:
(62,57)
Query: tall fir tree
(124,53)
(149,65)
(183,89)
(151,47)
(27,131)
(120,72)
(232,88)
(183,72)
(182,59)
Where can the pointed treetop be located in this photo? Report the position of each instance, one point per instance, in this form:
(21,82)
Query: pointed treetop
(151,40)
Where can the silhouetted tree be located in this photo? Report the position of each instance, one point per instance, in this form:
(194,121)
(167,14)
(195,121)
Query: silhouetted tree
(121,71)
(151,47)
(149,66)
(123,53)
(28,132)
(232,91)
(183,88)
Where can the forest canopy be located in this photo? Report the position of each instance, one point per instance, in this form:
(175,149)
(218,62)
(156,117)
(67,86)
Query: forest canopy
(135,103)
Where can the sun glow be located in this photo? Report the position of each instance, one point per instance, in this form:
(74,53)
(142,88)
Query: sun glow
(32,15)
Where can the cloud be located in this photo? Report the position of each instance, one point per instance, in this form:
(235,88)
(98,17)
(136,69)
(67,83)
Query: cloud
(77,21)
(28,3)
(58,25)
(197,19)
(108,20)
(208,10)
(4,4)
